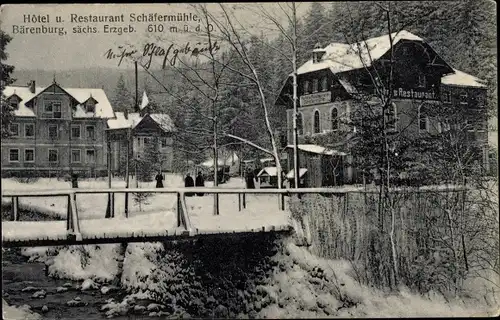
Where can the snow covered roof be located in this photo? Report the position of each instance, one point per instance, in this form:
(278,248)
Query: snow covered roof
(25,94)
(291,174)
(135,118)
(120,122)
(228,160)
(103,107)
(460,78)
(341,57)
(313,148)
(163,120)
(271,171)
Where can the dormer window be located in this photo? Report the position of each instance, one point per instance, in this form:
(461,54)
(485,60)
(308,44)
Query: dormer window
(13,102)
(318,53)
(90,107)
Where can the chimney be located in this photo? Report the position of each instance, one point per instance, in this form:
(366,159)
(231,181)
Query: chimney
(31,85)
(318,52)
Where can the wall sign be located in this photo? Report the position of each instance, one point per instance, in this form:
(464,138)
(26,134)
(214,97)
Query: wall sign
(316,98)
(414,94)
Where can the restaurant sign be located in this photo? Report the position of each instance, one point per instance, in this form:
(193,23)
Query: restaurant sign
(413,94)
(316,98)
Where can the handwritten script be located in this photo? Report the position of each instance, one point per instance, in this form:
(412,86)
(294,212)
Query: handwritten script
(169,55)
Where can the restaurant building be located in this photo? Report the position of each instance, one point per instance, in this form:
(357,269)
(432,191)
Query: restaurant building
(340,78)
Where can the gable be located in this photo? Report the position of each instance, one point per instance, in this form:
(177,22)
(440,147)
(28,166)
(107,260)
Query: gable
(54,89)
(409,53)
(147,126)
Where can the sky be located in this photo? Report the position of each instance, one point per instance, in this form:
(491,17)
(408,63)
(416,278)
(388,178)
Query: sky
(64,45)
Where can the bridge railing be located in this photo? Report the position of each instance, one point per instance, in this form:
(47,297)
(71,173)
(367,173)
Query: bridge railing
(183,220)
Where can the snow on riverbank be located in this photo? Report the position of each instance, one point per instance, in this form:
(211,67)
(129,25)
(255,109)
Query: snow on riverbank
(17,313)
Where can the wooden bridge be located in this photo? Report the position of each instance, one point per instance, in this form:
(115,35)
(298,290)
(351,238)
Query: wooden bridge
(74,230)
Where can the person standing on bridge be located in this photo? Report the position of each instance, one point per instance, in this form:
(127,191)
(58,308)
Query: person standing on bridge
(159,180)
(188,183)
(200,182)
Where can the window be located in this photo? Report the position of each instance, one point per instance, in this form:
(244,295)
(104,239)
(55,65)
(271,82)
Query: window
(13,102)
(53,131)
(422,120)
(422,81)
(90,132)
(335,119)
(14,155)
(463,97)
(392,117)
(315,85)
(75,132)
(90,106)
(90,156)
(29,155)
(163,143)
(29,130)
(76,155)
(446,96)
(14,129)
(317,127)
(52,109)
(324,84)
(306,87)
(53,155)
(300,124)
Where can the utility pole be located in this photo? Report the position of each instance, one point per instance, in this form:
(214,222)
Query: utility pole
(295,113)
(216,180)
(136,88)
(127,173)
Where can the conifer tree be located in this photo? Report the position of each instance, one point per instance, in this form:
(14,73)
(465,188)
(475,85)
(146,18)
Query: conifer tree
(7,111)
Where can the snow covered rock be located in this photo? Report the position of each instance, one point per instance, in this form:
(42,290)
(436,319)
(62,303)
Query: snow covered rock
(39,294)
(75,303)
(89,284)
(29,289)
(154,307)
(139,309)
(45,309)
(61,289)
(106,289)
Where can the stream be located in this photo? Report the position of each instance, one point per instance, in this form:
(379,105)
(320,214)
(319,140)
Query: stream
(18,274)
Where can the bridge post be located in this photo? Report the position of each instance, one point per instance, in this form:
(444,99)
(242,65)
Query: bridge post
(244,200)
(15,209)
(113,205)
(68,214)
(239,201)
(179,210)
(282,201)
